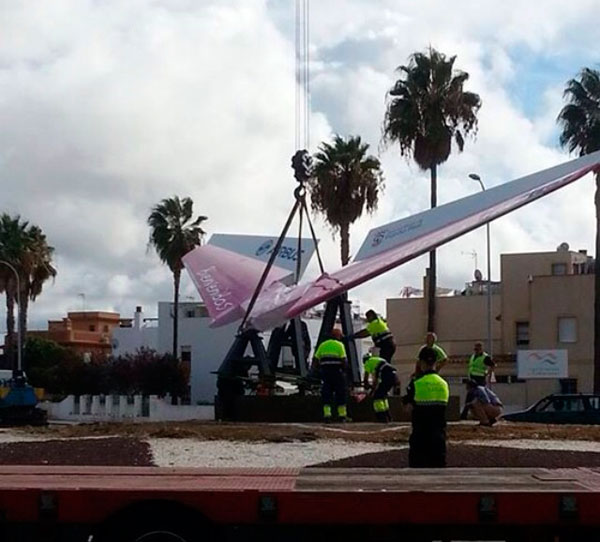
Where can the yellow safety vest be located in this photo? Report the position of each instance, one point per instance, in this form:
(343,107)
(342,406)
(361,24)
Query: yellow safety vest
(431,389)
(477,366)
(379,330)
(331,352)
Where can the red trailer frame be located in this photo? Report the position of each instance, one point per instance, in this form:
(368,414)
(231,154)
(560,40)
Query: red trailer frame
(152,504)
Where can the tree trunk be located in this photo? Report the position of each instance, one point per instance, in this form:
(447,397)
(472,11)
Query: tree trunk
(10,328)
(597,292)
(176,279)
(23,310)
(432,261)
(345,243)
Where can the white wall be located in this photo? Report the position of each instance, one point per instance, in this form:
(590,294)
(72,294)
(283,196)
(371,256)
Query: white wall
(208,346)
(126,340)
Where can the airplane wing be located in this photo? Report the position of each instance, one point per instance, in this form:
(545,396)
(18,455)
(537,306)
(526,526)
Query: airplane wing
(391,245)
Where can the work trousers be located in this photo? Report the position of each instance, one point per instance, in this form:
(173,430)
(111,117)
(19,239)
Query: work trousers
(480,379)
(333,389)
(427,448)
(484,412)
(387,349)
(387,380)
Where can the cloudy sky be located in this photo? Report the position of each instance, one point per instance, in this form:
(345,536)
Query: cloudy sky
(106,107)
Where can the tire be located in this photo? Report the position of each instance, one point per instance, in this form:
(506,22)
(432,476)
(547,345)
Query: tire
(170,523)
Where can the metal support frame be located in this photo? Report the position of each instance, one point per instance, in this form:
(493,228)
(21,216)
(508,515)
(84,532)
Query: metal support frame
(236,363)
(289,335)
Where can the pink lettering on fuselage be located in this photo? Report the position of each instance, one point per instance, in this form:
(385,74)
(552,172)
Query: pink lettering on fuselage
(217,294)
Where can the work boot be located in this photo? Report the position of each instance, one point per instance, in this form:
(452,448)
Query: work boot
(328,419)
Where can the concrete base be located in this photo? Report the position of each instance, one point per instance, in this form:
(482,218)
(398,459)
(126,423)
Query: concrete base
(296,408)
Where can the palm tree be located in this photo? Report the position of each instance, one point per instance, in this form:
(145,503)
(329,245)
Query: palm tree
(36,266)
(345,181)
(427,109)
(173,234)
(580,123)
(24,247)
(13,233)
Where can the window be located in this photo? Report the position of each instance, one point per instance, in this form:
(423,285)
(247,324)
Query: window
(190,313)
(92,327)
(559,268)
(594,403)
(186,353)
(105,329)
(522,332)
(567,330)
(565,404)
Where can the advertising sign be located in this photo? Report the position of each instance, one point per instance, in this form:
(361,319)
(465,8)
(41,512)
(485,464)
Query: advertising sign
(260,248)
(486,206)
(542,364)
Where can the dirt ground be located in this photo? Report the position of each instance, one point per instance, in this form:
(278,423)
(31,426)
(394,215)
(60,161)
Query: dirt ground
(90,452)
(460,455)
(363,432)
(121,444)
(118,451)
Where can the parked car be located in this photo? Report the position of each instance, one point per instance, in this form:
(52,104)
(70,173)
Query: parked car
(576,408)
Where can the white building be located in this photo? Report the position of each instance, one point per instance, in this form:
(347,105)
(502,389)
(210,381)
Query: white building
(204,347)
(137,333)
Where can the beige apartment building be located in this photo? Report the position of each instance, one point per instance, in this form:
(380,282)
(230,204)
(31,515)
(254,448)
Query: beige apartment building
(544,301)
(85,332)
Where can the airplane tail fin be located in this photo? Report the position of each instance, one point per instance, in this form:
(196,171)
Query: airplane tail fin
(226,280)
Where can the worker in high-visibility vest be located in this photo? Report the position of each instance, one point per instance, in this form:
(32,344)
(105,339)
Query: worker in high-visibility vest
(440,354)
(481,365)
(428,396)
(330,357)
(380,377)
(379,331)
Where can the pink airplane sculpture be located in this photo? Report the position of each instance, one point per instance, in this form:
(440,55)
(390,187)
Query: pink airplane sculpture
(226,280)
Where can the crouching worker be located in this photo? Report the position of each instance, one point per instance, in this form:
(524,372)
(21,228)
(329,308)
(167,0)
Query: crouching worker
(428,396)
(381,377)
(331,360)
(482,403)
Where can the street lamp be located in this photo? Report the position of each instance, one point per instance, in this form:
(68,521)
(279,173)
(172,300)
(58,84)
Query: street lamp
(477,178)
(18,313)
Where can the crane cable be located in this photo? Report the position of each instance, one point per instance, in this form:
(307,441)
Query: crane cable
(302,121)
(302,141)
(302,75)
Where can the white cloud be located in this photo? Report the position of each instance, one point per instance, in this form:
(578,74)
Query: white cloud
(108,107)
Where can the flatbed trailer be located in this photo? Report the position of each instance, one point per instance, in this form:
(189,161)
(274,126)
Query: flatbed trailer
(173,504)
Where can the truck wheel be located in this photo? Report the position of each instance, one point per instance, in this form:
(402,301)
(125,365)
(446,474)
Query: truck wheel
(162,535)
(150,533)
(169,524)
